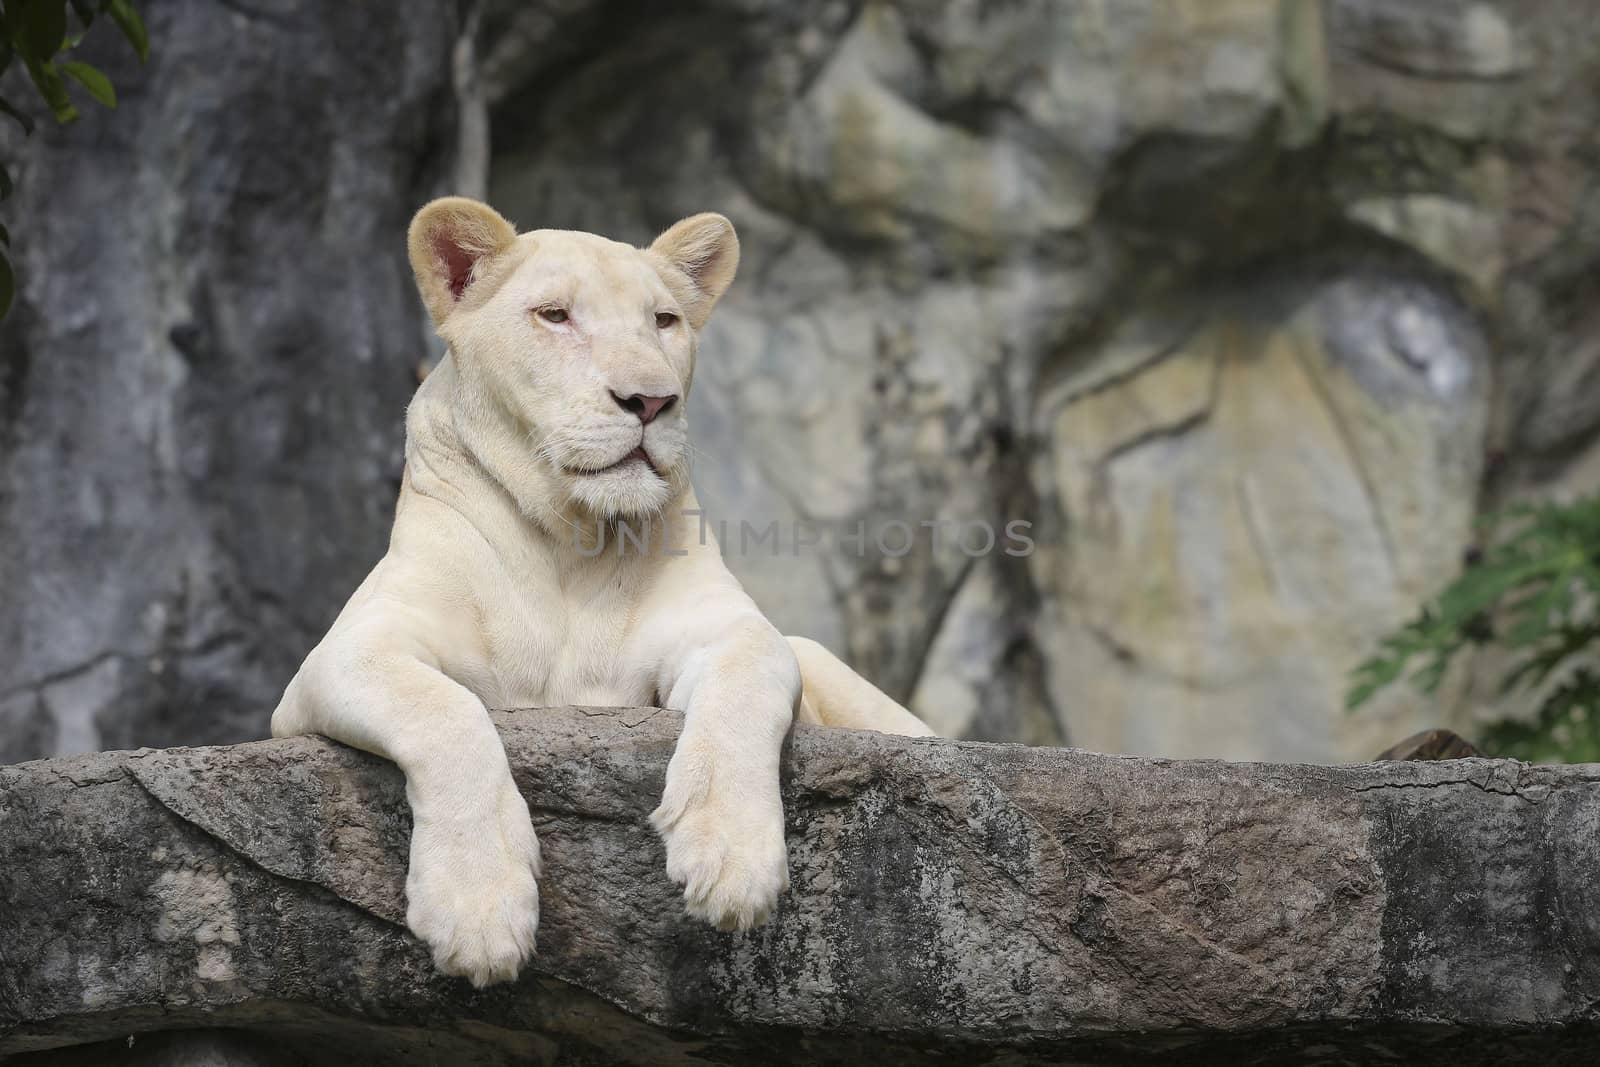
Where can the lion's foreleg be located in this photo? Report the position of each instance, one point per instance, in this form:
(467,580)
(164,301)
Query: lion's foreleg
(720,814)
(471,892)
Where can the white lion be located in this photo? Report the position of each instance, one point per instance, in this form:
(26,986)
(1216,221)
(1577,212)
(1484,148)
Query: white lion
(559,409)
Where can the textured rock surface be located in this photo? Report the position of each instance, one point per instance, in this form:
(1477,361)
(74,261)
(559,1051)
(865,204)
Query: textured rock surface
(203,382)
(1248,306)
(1214,294)
(992,902)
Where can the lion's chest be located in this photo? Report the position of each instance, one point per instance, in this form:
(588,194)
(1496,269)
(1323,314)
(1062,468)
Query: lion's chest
(563,640)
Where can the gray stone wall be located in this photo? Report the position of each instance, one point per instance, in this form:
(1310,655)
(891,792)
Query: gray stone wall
(1250,308)
(203,380)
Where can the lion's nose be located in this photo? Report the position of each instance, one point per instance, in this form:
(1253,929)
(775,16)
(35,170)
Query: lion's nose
(646,407)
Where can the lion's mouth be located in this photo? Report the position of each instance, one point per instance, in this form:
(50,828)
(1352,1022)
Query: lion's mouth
(637,454)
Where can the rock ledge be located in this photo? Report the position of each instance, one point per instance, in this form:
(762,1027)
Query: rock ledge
(244,905)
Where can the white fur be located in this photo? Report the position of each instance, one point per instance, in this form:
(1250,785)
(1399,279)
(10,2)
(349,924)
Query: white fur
(491,593)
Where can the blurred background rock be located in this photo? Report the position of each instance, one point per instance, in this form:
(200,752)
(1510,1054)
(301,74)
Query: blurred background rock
(1250,308)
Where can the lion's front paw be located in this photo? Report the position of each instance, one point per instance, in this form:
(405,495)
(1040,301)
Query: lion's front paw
(471,892)
(724,847)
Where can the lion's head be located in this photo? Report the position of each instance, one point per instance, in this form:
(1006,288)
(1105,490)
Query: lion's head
(573,353)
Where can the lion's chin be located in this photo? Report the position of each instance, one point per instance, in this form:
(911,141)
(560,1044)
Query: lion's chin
(630,490)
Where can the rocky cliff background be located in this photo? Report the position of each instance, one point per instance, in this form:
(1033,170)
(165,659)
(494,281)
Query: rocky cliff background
(1250,308)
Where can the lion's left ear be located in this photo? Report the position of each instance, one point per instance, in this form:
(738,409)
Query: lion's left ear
(449,240)
(704,251)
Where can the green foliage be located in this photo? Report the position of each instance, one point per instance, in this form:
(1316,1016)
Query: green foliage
(38,34)
(98,85)
(1565,730)
(1534,593)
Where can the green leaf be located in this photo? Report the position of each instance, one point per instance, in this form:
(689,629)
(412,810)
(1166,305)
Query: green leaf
(8,286)
(1533,591)
(48,81)
(7,109)
(44,27)
(86,11)
(98,84)
(131,25)
(1564,729)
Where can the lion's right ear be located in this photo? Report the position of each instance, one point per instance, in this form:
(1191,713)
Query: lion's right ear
(448,239)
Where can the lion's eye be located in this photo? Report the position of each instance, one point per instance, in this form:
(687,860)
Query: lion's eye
(665,320)
(553,314)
